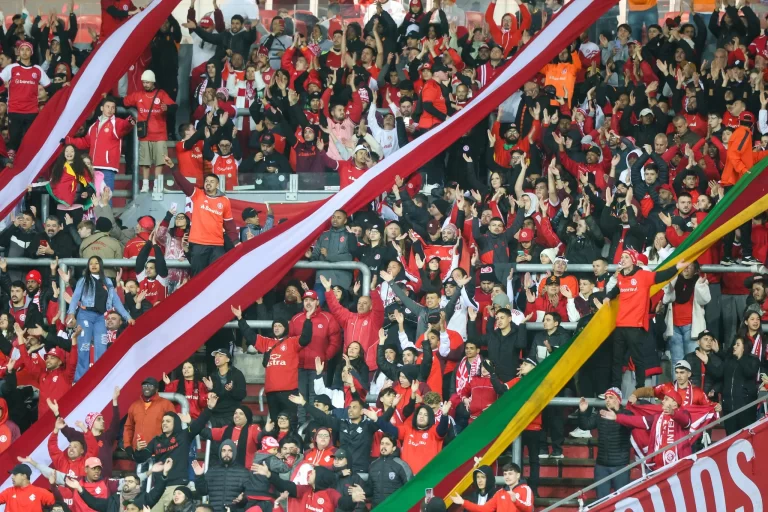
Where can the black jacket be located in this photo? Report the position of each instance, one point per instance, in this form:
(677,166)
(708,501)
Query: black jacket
(503,350)
(712,372)
(222,483)
(613,440)
(239,42)
(355,438)
(386,475)
(739,381)
(114,502)
(62,244)
(229,400)
(474,494)
(174,446)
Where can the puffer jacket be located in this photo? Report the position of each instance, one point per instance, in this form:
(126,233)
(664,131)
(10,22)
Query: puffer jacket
(739,381)
(582,249)
(223,482)
(258,487)
(82,298)
(340,244)
(613,440)
(326,337)
(381,483)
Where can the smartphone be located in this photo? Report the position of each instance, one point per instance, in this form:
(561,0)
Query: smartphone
(520,253)
(174,206)
(44,243)
(428,494)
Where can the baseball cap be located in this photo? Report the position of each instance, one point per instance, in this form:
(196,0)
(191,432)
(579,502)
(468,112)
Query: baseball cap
(310,294)
(530,361)
(433,318)
(526,235)
(361,147)
(683,364)
(206,22)
(23,469)
(150,380)
(646,112)
(55,352)
(705,332)
(147,222)
(553,280)
(433,226)
(484,45)
(323,399)
(450,281)
(426,65)
(341,453)
(376,226)
(93,462)
(34,275)
(438,66)
(267,139)
(249,213)
(219,351)
(746,117)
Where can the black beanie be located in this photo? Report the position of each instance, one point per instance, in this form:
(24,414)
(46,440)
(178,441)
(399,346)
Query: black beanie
(103,224)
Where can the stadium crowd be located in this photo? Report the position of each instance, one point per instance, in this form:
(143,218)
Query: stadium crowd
(611,155)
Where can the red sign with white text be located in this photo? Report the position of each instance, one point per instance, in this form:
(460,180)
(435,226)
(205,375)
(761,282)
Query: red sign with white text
(728,476)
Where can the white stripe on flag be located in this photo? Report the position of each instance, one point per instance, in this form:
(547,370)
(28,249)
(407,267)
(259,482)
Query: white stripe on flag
(249,266)
(86,87)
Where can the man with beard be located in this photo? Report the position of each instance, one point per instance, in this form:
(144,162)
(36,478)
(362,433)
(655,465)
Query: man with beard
(53,243)
(16,239)
(505,144)
(682,221)
(224,481)
(131,492)
(647,178)
(378,251)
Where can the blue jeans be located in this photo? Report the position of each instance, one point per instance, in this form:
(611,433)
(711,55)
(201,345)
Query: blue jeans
(94,331)
(636,20)
(680,343)
(616,482)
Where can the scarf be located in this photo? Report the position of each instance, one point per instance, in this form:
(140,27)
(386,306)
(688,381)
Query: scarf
(242,441)
(664,436)
(684,289)
(686,393)
(463,375)
(128,497)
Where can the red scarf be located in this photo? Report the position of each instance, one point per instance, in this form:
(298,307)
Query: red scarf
(464,376)
(664,435)
(688,393)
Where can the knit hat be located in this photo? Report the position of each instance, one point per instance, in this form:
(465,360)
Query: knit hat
(632,255)
(615,392)
(269,442)
(90,419)
(674,395)
(186,491)
(103,225)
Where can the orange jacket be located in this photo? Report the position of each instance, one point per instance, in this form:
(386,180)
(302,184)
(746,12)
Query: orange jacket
(563,76)
(143,423)
(26,499)
(740,156)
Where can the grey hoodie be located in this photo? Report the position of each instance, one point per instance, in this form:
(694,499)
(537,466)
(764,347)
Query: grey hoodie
(223,482)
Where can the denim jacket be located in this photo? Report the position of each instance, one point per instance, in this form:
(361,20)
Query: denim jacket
(87,300)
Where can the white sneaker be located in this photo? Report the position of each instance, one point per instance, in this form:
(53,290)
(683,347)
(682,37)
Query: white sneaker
(543,455)
(145,186)
(582,434)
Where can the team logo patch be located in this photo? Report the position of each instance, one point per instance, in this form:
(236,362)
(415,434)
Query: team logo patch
(377,257)
(391,475)
(125,8)
(424,435)
(220,205)
(319,326)
(32,497)
(282,348)
(157,101)
(341,239)
(465,148)
(3,439)
(34,75)
(320,501)
(669,456)
(634,282)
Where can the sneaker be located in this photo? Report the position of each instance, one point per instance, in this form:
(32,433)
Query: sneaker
(580,434)
(727,261)
(557,455)
(544,455)
(749,260)
(145,187)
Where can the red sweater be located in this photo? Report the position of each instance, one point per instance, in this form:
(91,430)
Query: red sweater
(52,384)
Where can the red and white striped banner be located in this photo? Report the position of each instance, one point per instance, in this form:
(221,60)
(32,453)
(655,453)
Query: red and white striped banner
(168,334)
(71,106)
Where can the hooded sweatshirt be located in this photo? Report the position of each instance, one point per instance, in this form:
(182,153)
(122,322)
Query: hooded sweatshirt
(7,435)
(475,495)
(421,445)
(175,446)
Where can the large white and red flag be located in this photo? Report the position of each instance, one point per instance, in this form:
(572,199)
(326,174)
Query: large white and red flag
(71,106)
(169,333)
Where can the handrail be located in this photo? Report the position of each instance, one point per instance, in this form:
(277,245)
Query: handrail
(693,434)
(134,150)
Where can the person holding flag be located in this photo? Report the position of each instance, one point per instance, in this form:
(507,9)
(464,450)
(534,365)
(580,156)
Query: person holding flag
(691,395)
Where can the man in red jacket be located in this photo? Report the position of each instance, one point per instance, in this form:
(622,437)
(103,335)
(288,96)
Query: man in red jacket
(326,342)
(514,496)
(363,326)
(691,395)
(144,228)
(104,141)
(23,496)
(71,462)
(56,377)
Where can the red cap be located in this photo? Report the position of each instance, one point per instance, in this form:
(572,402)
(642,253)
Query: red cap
(309,294)
(22,44)
(206,22)
(666,187)
(147,222)
(526,235)
(674,395)
(426,65)
(34,275)
(747,117)
(642,258)
(270,442)
(93,462)
(55,352)
(263,50)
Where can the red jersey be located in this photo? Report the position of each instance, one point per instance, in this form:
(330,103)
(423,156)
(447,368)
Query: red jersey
(132,250)
(157,129)
(197,395)
(282,372)
(98,489)
(307,499)
(333,60)
(21,82)
(348,172)
(419,446)
(18,314)
(502,501)
(432,92)
(634,294)
(191,161)
(155,288)
(691,395)
(104,141)
(26,499)
(108,22)
(226,167)
(320,457)
(664,429)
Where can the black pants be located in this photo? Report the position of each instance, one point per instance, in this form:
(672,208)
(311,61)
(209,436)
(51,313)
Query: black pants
(18,124)
(266,505)
(531,441)
(278,402)
(628,339)
(746,239)
(554,425)
(203,255)
(741,420)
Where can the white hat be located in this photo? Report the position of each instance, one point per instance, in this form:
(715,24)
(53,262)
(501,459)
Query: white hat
(148,76)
